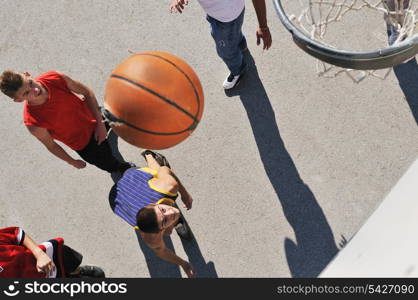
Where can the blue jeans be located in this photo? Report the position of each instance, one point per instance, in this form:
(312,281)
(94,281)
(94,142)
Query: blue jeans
(230,42)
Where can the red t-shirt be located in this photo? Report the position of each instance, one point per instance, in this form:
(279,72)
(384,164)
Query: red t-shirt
(16,261)
(66,116)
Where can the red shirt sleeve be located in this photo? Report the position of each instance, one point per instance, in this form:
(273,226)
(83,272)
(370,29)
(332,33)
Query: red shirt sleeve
(53,78)
(11,236)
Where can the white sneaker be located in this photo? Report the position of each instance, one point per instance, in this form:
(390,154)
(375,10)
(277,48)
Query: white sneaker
(231,81)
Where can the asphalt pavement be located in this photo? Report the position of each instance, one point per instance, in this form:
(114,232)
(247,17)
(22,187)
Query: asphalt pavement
(284,169)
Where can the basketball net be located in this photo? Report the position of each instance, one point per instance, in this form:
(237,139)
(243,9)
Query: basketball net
(317,16)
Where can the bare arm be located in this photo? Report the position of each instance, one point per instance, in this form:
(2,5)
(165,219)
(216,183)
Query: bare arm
(163,252)
(43,263)
(260,10)
(186,198)
(168,181)
(263,32)
(45,138)
(81,89)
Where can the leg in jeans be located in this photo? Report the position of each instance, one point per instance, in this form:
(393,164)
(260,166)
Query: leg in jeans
(230,42)
(243,44)
(102,157)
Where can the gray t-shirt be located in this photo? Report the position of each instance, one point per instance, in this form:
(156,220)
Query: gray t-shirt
(223,10)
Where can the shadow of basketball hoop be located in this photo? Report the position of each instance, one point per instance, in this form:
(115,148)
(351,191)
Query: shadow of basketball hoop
(159,268)
(407,75)
(315,246)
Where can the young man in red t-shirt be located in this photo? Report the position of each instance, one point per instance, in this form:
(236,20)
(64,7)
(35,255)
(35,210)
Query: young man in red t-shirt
(20,257)
(53,111)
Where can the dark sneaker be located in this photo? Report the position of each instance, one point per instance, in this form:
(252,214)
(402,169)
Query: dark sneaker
(183,229)
(92,272)
(161,160)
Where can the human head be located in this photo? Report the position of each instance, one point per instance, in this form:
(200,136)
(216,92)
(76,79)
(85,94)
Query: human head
(155,218)
(10,83)
(21,86)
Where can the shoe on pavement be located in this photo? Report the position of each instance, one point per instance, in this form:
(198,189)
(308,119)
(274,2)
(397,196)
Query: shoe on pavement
(231,81)
(183,229)
(184,232)
(92,272)
(162,161)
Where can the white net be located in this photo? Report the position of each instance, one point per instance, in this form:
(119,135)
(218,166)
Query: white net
(354,25)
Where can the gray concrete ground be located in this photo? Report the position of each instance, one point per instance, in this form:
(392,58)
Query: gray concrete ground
(282,169)
(381,248)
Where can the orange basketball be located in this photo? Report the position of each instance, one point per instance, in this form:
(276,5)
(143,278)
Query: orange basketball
(154,100)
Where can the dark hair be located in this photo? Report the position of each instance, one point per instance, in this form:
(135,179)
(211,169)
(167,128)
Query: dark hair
(10,82)
(146,219)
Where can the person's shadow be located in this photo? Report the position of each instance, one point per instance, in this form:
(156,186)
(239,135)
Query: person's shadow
(159,268)
(407,75)
(315,246)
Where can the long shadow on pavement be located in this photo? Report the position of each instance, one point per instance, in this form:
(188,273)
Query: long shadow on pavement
(159,268)
(315,245)
(407,74)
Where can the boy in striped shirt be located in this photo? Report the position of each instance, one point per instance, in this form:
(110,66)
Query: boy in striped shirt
(145,199)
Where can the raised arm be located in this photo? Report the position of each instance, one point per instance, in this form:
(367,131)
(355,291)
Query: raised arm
(165,253)
(168,181)
(45,138)
(186,198)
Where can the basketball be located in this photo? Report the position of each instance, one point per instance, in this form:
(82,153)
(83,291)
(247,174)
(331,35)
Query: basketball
(153,100)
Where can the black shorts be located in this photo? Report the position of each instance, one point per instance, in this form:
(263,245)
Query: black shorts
(71,259)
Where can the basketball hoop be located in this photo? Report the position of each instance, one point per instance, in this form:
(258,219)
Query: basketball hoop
(383,31)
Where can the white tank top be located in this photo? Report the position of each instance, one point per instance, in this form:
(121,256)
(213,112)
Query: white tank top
(223,10)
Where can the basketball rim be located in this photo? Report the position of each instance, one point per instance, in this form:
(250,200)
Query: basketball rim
(358,60)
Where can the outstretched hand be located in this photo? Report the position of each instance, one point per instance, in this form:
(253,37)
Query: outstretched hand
(178,5)
(265,35)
